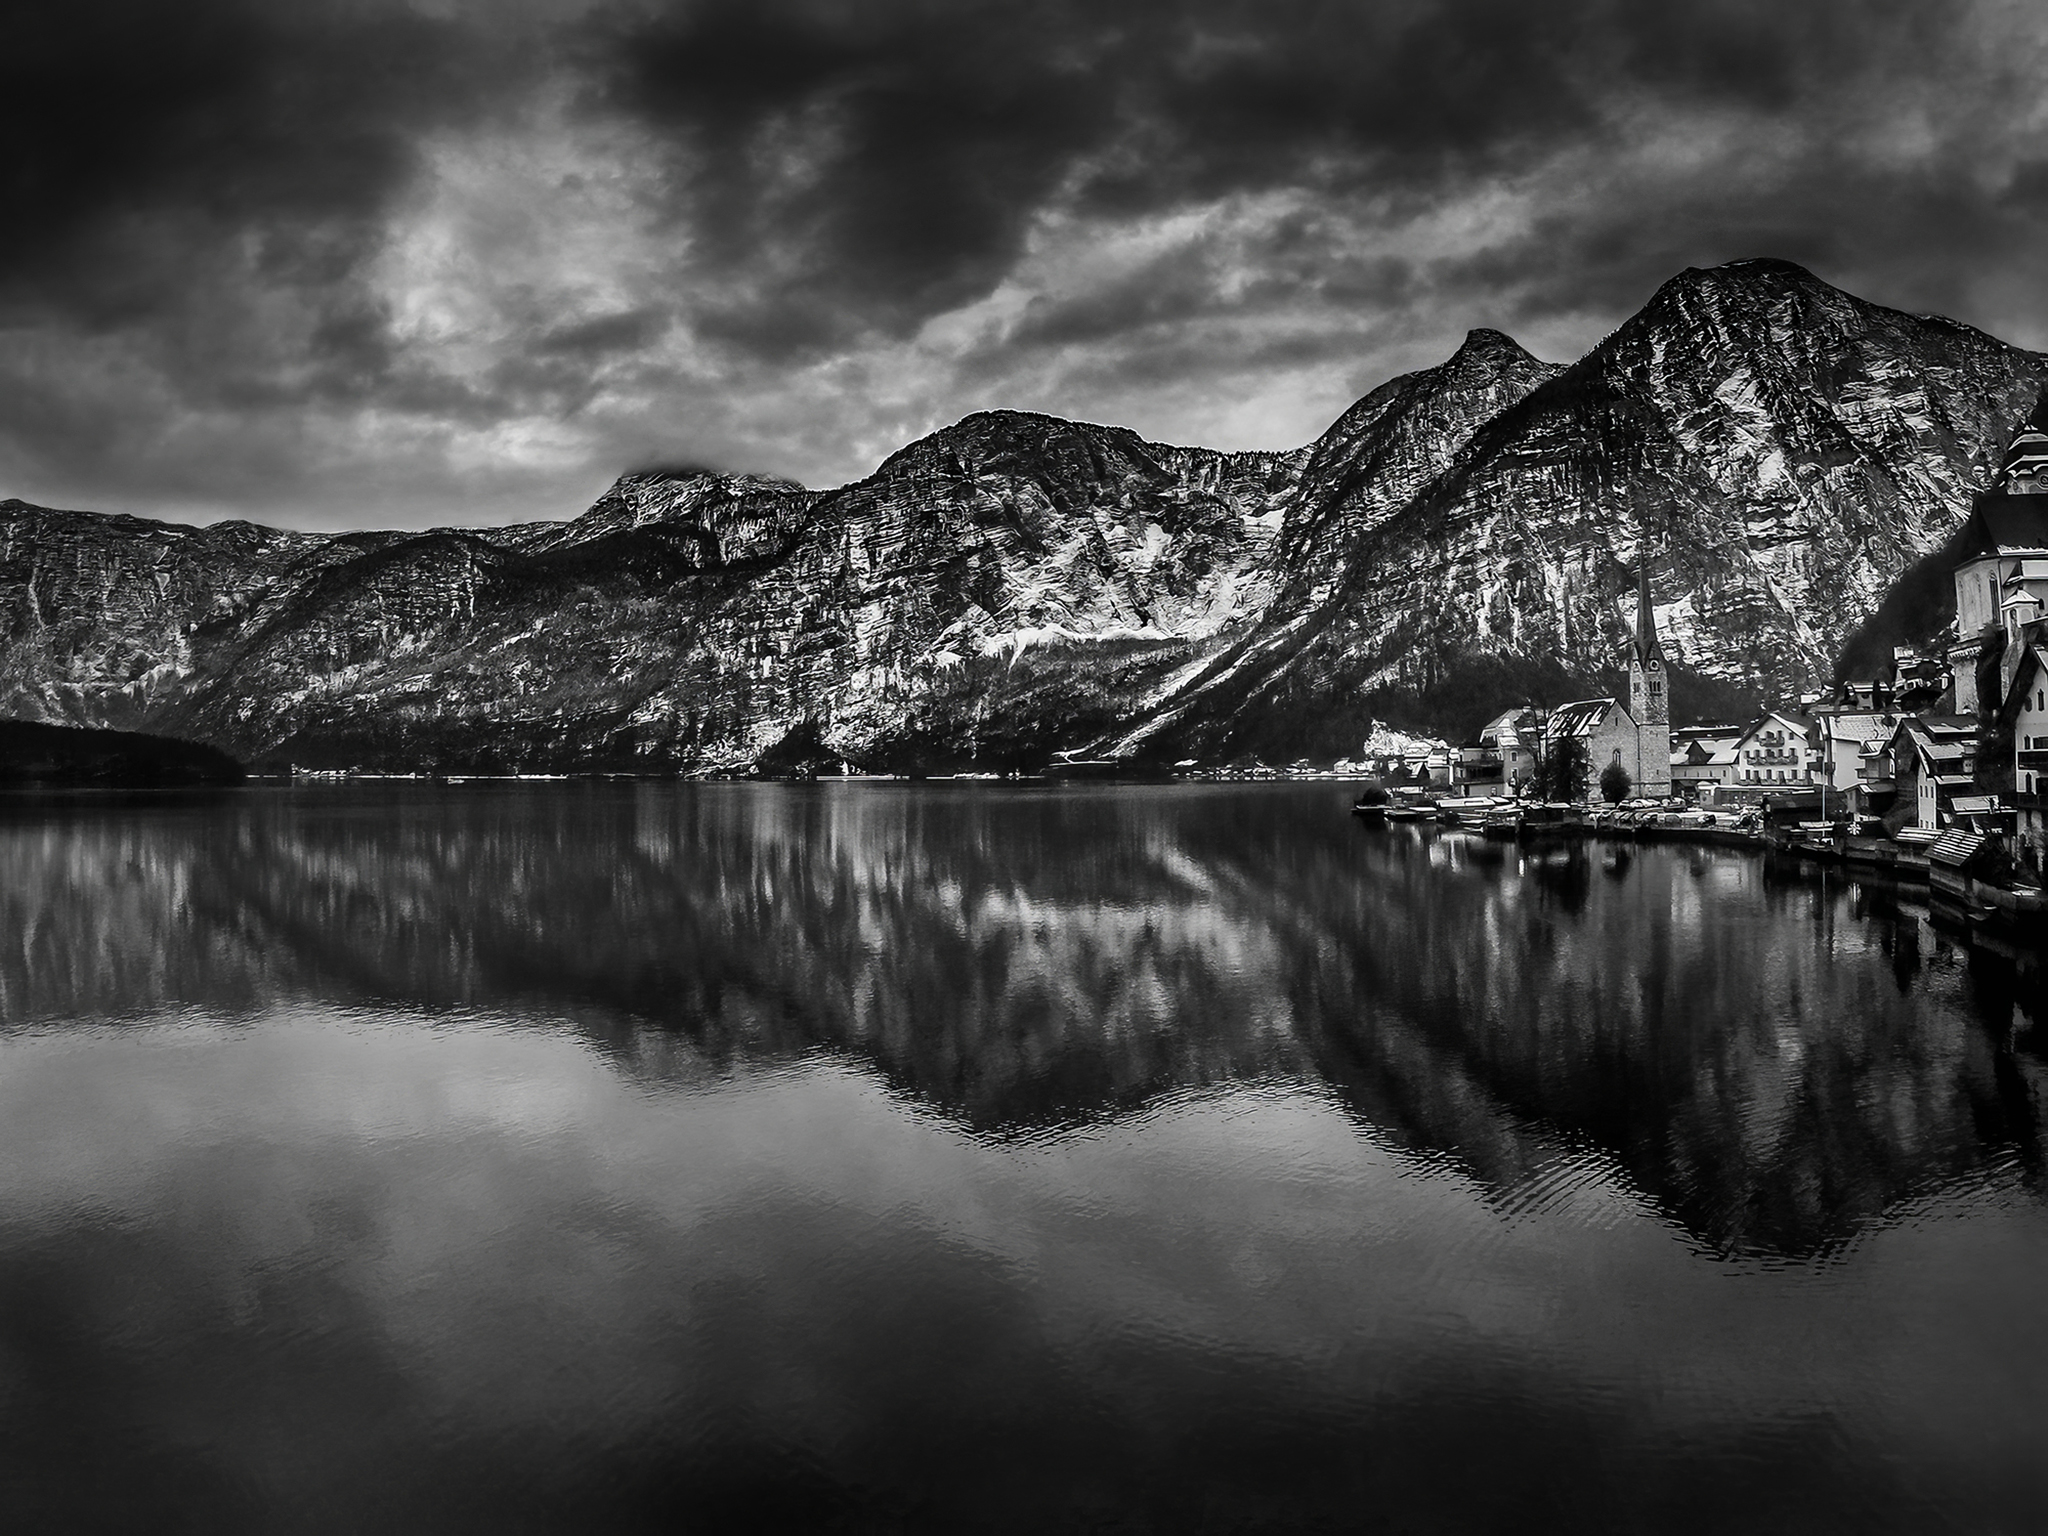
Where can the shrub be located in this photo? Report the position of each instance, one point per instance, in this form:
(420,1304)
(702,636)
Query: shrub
(1615,783)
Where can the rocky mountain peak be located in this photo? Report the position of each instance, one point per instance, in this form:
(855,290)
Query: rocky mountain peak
(1015,582)
(692,500)
(1484,347)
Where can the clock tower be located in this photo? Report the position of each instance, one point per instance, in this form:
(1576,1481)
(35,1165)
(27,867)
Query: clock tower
(1649,696)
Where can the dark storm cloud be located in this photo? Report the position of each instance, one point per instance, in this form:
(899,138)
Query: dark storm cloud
(871,165)
(294,249)
(888,159)
(141,135)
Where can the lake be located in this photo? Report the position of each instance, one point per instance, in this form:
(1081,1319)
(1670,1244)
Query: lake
(633,1156)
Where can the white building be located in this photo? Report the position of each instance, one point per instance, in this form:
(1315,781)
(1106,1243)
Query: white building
(1772,754)
(2001,581)
(1841,746)
(1702,756)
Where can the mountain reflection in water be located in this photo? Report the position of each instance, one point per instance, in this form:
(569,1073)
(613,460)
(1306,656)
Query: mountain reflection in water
(845,1144)
(1771,1060)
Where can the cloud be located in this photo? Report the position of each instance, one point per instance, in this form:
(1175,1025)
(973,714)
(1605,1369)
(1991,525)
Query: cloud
(428,260)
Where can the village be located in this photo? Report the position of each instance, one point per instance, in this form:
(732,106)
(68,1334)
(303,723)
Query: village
(1932,770)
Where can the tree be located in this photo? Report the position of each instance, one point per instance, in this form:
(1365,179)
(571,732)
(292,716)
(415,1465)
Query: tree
(1615,783)
(1563,772)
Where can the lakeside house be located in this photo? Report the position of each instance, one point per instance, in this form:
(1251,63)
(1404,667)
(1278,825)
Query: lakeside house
(1772,754)
(1702,758)
(1930,760)
(1502,755)
(1842,748)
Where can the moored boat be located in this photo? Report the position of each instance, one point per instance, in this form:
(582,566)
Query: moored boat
(1372,805)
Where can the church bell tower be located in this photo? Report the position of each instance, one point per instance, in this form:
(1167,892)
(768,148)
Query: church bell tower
(1649,698)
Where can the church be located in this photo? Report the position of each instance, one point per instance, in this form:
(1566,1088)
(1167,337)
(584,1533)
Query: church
(1636,735)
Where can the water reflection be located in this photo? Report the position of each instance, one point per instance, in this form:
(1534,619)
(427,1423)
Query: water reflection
(1772,1060)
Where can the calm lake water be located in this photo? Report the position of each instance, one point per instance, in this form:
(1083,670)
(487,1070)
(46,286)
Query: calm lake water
(614,1157)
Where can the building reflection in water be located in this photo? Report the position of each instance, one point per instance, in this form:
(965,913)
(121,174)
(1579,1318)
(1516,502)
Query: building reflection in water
(1773,1059)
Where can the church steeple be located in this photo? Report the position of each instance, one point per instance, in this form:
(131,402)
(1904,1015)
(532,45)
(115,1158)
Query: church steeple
(1648,697)
(1649,649)
(2026,458)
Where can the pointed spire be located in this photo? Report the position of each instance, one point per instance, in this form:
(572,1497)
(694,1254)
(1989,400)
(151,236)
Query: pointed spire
(2026,457)
(1647,644)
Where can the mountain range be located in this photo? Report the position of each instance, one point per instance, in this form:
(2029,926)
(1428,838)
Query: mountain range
(1016,585)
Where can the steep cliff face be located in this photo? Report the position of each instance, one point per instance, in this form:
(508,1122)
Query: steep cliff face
(959,602)
(1015,584)
(1390,446)
(1779,450)
(98,614)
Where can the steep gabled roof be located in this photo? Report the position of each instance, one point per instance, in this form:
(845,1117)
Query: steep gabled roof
(1857,727)
(1503,728)
(1940,742)
(2006,525)
(1765,721)
(1579,718)
(1955,849)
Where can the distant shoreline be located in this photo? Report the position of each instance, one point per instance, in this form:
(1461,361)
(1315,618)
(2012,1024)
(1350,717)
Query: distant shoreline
(36,758)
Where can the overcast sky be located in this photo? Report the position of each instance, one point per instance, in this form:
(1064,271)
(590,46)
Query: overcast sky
(356,262)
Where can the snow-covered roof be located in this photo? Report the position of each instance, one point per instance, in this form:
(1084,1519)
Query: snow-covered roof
(1578,718)
(1858,727)
(1502,727)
